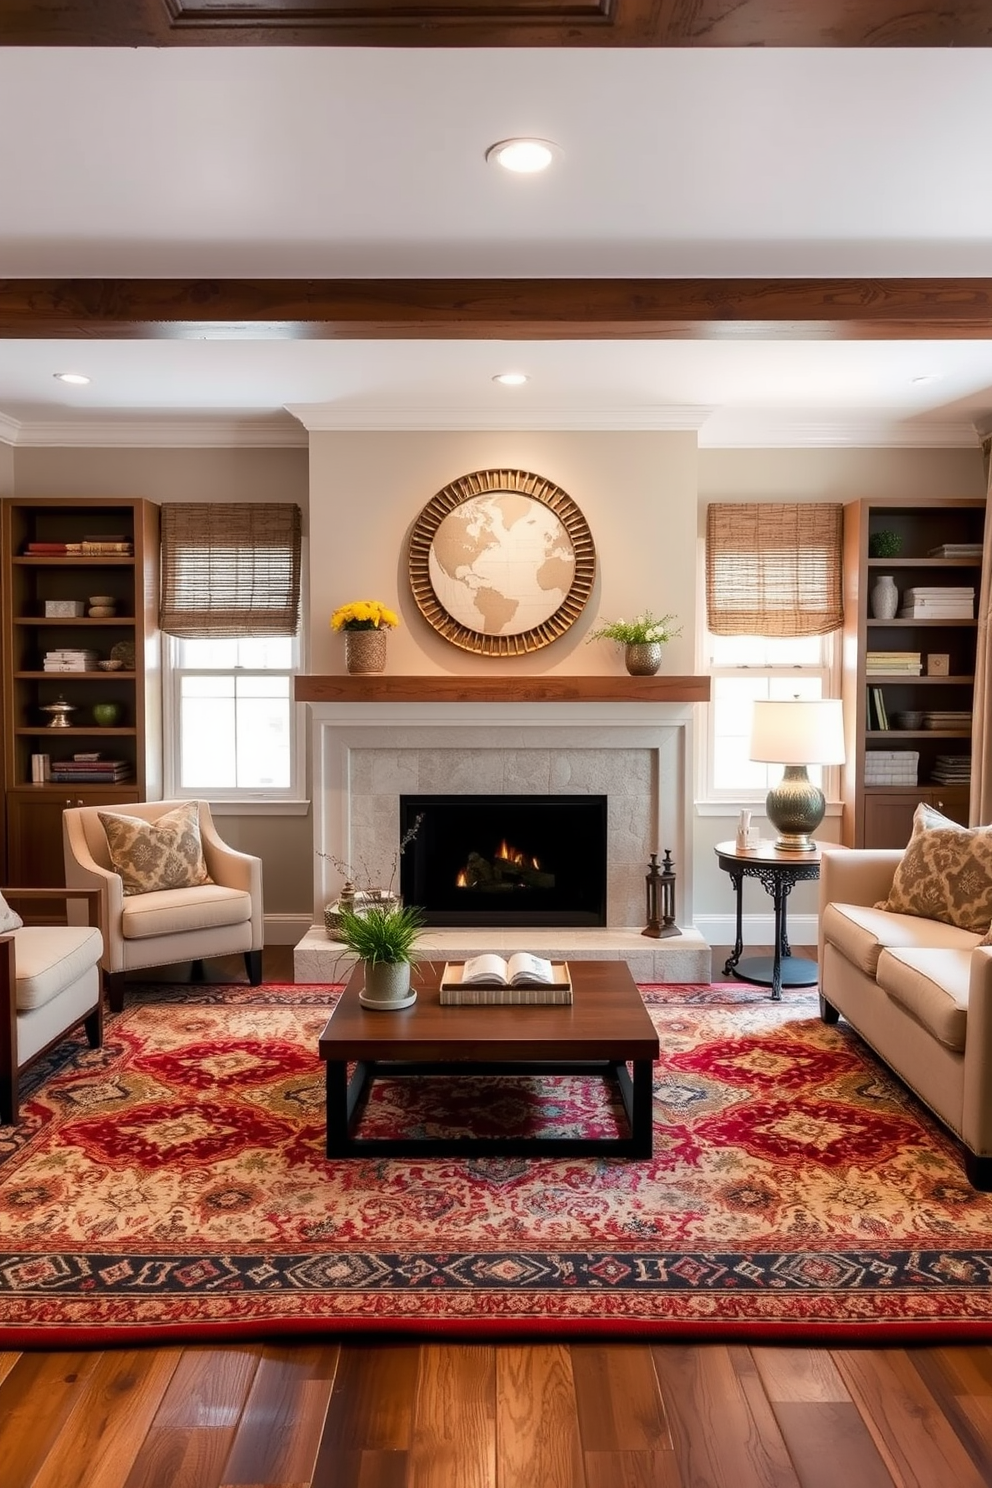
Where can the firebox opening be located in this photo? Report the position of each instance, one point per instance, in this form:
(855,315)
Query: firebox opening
(506,860)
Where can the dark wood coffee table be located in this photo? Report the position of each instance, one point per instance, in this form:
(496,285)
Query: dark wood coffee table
(605,1027)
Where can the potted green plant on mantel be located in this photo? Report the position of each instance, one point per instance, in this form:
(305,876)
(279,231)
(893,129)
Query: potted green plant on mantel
(642,640)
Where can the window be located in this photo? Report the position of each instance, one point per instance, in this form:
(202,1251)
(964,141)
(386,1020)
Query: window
(773,603)
(231,577)
(232,717)
(743,669)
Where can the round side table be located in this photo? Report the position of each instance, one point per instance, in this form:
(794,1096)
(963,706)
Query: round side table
(776,870)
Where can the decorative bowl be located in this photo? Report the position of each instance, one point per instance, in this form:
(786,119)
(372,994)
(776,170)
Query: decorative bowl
(908,720)
(110,666)
(100,612)
(102,599)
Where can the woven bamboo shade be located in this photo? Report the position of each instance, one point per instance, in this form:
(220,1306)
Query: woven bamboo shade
(774,569)
(230,570)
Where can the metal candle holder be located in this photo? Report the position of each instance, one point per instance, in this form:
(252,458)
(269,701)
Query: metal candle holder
(660,887)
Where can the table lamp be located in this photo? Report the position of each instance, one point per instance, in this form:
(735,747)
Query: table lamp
(795,734)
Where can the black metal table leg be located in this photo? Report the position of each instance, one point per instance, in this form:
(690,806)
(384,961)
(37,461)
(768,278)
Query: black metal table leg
(737,879)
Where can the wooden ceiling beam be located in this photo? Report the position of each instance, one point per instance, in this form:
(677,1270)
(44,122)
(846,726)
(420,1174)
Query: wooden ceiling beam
(494,23)
(507,309)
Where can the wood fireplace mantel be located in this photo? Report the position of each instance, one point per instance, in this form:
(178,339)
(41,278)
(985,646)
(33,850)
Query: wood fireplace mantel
(379,688)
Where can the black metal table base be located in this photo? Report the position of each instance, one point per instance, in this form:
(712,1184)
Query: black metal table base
(795,971)
(779,970)
(346,1100)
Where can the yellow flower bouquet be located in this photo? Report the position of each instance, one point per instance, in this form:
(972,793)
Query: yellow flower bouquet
(364,614)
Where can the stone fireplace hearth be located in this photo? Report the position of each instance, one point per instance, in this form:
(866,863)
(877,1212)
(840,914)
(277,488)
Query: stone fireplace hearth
(367,754)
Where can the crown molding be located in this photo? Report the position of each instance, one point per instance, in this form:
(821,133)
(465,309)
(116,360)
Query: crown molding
(771,430)
(715,428)
(319,419)
(161,433)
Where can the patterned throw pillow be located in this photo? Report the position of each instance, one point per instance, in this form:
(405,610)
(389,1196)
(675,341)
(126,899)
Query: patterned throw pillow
(162,854)
(9,918)
(945,874)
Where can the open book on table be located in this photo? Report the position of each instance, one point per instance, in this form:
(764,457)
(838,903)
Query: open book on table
(519,970)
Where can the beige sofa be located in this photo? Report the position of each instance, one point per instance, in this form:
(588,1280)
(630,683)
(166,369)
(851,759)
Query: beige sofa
(918,991)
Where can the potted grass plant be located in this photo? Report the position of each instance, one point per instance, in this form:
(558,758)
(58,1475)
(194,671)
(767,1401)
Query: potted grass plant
(379,931)
(384,938)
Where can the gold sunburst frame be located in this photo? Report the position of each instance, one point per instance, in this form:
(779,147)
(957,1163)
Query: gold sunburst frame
(488,483)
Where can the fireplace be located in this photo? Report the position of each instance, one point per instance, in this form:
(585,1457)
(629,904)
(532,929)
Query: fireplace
(506,859)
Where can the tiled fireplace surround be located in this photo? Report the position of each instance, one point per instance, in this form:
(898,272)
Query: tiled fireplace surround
(368,753)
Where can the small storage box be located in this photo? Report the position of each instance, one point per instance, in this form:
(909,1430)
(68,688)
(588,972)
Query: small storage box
(64,609)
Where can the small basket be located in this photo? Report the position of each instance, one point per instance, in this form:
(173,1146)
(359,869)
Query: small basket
(362,903)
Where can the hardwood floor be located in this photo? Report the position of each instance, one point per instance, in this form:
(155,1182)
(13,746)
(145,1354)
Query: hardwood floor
(359,1413)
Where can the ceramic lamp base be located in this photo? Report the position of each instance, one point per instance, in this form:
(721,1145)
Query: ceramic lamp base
(795,807)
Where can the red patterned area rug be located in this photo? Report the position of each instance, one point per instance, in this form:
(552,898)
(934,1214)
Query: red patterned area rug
(173,1186)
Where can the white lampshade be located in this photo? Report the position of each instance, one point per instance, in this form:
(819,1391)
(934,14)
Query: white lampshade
(798,732)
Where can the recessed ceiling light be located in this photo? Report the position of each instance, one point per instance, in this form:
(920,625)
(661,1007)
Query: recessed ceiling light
(511,379)
(524,156)
(76,378)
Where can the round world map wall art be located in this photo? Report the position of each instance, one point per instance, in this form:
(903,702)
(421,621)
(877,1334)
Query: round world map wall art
(502,562)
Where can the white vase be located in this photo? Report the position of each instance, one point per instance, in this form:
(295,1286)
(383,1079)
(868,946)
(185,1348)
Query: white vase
(884,598)
(387,985)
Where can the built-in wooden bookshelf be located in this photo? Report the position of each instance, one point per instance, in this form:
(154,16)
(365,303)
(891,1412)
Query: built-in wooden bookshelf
(33,574)
(881,815)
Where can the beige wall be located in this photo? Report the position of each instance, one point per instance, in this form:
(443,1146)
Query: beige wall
(285,843)
(636,491)
(810,475)
(643,494)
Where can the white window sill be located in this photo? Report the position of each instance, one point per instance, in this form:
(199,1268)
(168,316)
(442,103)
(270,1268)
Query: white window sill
(756,807)
(255,806)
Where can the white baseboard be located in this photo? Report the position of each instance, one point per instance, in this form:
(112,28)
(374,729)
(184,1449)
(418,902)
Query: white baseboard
(758,929)
(286,929)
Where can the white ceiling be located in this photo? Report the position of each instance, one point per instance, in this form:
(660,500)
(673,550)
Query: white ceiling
(325,162)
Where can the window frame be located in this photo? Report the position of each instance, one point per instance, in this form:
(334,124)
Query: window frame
(712,800)
(292,799)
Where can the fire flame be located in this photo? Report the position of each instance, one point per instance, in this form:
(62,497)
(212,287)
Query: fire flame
(507,854)
(461,882)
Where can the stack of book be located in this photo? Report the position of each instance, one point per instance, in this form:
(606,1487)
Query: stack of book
(957,550)
(959,720)
(877,662)
(952,769)
(89,769)
(69,660)
(50,549)
(939,603)
(891,766)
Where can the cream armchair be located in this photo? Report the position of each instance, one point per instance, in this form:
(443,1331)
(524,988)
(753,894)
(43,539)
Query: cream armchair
(49,986)
(166,925)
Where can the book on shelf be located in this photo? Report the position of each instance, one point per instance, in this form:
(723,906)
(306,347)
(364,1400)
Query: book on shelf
(956,550)
(108,549)
(520,980)
(881,715)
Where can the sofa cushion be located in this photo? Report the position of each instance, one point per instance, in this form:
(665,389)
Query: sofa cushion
(163,854)
(861,934)
(945,874)
(49,958)
(933,986)
(172,911)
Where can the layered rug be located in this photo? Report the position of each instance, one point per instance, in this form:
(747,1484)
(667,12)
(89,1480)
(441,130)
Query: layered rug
(173,1186)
